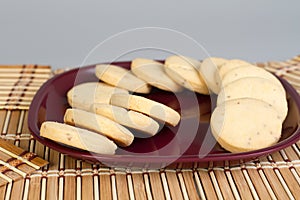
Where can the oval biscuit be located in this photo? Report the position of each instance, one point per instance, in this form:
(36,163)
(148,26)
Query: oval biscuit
(84,95)
(131,119)
(77,137)
(208,68)
(149,107)
(185,71)
(122,78)
(91,121)
(153,73)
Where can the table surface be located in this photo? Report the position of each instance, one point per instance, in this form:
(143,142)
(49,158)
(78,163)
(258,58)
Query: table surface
(272,176)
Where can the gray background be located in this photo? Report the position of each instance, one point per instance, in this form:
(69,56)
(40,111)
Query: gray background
(62,33)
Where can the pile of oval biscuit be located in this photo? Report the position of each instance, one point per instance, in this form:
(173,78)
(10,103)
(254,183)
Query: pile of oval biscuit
(251,104)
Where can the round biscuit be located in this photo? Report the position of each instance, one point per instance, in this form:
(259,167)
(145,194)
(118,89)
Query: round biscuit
(248,71)
(229,65)
(257,88)
(245,124)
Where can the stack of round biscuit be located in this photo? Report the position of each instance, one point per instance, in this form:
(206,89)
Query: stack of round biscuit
(251,104)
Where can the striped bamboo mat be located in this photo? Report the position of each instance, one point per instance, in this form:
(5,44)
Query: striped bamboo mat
(276,176)
(19,83)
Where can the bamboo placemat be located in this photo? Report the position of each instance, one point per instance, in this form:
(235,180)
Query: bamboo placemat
(19,83)
(15,163)
(276,176)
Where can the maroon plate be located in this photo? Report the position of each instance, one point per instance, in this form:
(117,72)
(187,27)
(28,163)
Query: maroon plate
(188,144)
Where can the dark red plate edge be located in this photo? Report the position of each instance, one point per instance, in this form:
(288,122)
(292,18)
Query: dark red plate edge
(32,113)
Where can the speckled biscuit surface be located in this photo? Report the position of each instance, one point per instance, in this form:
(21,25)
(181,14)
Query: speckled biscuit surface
(245,124)
(257,88)
(77,137)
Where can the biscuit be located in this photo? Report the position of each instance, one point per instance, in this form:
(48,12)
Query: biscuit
(185,71)
(208,68)
(149,107)
(257,88)
(97,123)
(248,71)
(229,65)
(122,78)
(84,95)
(245,124)
(153,73)
(77,137)
(131,119)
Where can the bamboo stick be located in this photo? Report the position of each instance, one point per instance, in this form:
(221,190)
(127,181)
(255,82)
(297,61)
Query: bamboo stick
(122,186)
(174,186)
(190,185)
(34,188)
(87,190)
(17,189)
(223,184)
(207,184)
(241,184)
(157,188)
(105,186)
(275,184)
(139,186)
(3,188)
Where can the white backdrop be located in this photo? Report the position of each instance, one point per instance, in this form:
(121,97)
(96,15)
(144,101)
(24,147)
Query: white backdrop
(61,33)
